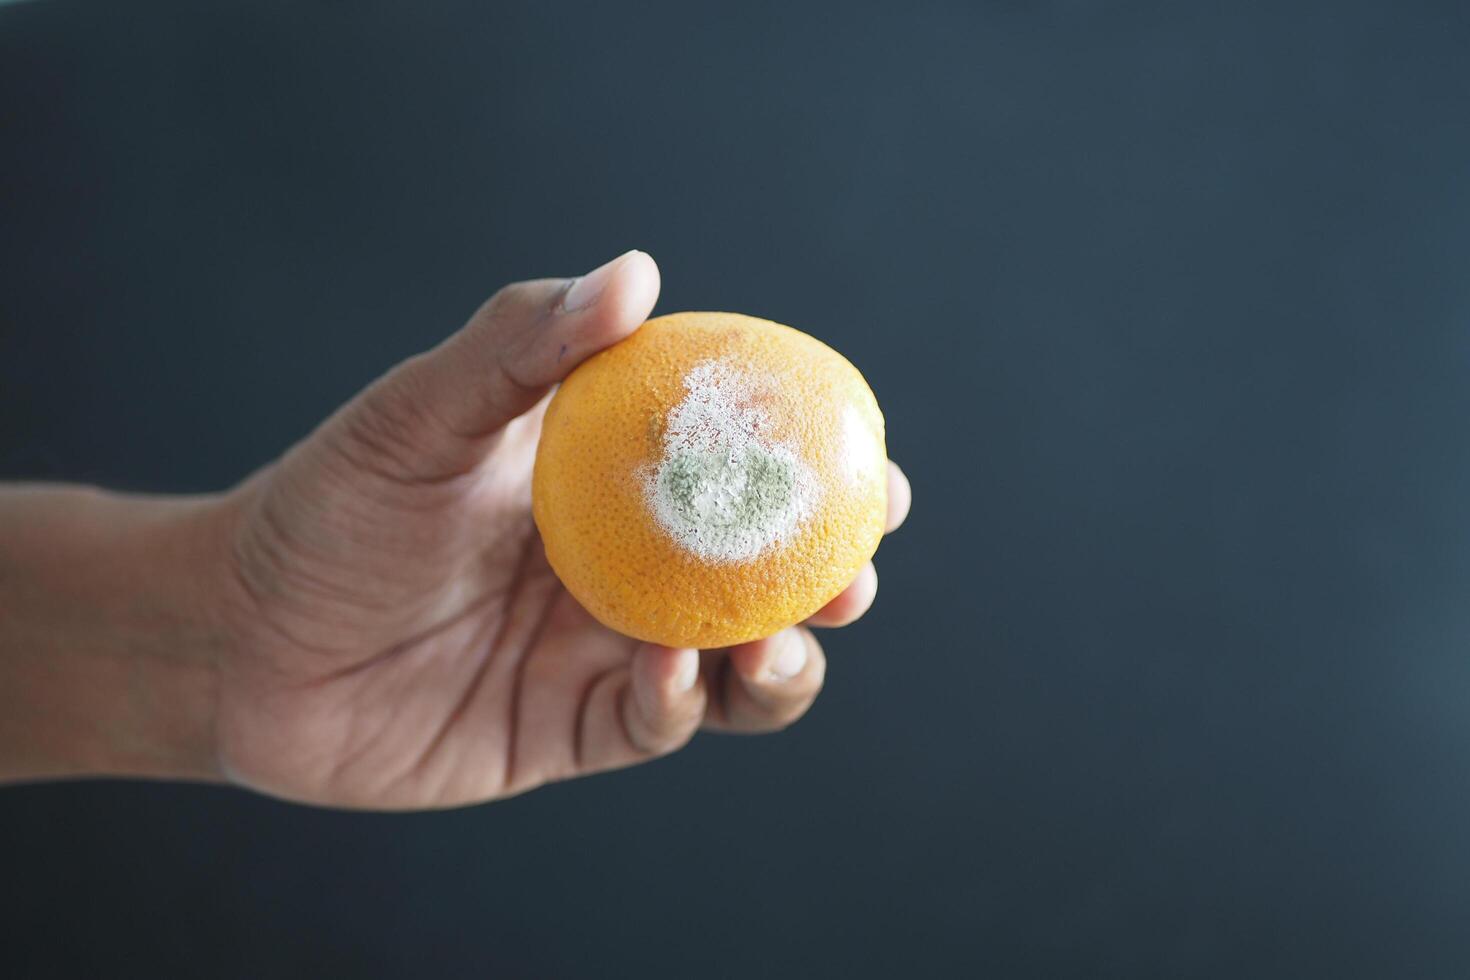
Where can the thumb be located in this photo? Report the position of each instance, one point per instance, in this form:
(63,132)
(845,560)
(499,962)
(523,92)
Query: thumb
(438,410)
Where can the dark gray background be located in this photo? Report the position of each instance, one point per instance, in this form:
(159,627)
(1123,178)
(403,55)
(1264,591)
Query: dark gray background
(1166,304)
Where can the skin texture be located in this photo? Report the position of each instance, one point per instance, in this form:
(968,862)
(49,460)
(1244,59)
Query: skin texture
(369,621)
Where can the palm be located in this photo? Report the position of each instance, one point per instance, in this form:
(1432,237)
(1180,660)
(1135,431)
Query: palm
(434,689)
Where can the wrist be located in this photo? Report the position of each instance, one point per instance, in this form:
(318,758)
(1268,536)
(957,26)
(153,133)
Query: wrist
(109,633)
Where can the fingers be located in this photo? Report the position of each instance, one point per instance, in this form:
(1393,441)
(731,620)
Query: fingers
(649,710)
(667,699)
(765,685)
(761,686)
(900,495)
(432,414)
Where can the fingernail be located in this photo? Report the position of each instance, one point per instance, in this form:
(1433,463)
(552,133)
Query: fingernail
(586,290)
(790,659)
(686,671)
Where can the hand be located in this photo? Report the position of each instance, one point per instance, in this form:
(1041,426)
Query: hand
(400,639)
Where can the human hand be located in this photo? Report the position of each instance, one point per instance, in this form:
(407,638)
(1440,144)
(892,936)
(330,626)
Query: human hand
(397,637)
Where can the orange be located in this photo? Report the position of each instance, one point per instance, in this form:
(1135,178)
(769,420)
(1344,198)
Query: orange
(711,479)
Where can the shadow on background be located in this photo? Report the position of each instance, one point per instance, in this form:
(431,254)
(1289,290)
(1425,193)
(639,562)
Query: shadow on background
(1166,305)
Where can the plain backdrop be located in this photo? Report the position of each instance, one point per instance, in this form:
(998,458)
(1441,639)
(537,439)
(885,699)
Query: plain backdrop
(1167,307)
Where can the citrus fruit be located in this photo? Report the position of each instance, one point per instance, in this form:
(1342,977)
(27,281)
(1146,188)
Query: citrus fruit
(711,479)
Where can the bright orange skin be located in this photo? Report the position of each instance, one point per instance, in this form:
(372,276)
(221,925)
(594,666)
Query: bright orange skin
(604,432)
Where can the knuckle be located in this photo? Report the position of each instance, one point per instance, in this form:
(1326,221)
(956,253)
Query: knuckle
(380,429)
(783,718)
(392,432)
(502,299)
(654,737)
(671,741)
(817,668)
(799,711)
(518,299)
(660,743)
(775,713)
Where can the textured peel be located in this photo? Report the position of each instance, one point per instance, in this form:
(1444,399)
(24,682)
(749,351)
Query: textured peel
(791,417)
